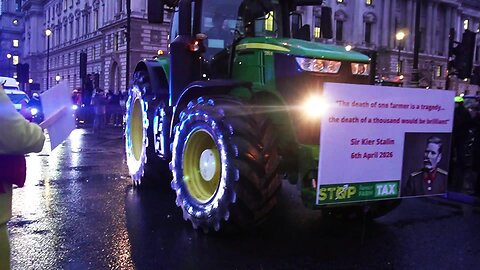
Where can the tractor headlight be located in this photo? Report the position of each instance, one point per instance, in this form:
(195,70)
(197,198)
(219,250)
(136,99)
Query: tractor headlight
(360,69)
(34,111)
(314,106)
(319,65)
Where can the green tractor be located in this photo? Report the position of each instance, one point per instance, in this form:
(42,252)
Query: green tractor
(228,112)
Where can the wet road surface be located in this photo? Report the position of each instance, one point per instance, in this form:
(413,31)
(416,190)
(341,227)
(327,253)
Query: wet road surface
(79,210)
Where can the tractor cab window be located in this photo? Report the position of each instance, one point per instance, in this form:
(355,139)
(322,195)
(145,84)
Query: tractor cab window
(219,21)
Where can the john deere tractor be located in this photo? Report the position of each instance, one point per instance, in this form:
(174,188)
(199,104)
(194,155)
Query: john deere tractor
(225,110)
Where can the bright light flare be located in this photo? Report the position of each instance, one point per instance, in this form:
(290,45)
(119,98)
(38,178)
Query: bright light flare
(74,107)
(34,111)
(315,106)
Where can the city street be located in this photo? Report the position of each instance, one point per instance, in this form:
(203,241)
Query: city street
(79,210)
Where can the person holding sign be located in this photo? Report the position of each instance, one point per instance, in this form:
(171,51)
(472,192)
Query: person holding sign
(17,137)
(431,179)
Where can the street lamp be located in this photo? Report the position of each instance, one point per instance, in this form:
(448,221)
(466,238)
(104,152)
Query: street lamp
(48,33)
(399,37)
(58,78)
(9,56)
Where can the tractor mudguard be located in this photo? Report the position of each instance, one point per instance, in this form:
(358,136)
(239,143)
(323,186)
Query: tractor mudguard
(158,71)
(202,88)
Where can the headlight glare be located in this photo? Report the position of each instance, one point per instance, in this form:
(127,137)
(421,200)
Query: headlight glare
(314,106)
(360,69)
(319,65)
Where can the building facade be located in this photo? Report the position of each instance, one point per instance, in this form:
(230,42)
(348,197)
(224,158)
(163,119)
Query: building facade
(95,27)
(370,26)
(98,28)
(11,32)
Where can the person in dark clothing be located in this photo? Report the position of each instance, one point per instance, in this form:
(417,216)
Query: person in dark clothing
(476,148)
(461,127)
(99,102)
(114,109)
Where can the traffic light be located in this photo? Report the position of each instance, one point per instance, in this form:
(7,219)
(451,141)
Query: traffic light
(83,65)
(155,11)
(23,73)
(463,53)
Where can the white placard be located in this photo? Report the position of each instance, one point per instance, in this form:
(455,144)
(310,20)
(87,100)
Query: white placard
(363,134)
(57,108)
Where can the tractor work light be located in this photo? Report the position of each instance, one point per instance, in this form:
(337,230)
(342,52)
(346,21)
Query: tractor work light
(314,106)
(360,69)
(319,65)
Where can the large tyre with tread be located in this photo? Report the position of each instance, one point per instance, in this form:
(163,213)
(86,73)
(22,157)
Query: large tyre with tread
(143,163)
(224,164)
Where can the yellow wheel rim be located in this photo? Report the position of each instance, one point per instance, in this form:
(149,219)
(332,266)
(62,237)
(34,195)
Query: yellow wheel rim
(136,129)
(201,166)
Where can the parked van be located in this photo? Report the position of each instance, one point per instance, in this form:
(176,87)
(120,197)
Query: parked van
(18,97)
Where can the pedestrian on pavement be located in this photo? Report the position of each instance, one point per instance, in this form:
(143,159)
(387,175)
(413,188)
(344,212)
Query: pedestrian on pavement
(462,122)
(17,137)
(115,109)
(99,102)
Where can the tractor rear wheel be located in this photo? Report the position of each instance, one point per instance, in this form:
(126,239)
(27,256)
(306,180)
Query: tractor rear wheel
(143,163)
(224,164)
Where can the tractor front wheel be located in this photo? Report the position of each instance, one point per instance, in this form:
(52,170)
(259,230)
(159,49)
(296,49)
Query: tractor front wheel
(224,164)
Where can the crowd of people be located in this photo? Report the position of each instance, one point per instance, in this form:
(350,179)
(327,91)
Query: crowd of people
(465,146)
(108,109)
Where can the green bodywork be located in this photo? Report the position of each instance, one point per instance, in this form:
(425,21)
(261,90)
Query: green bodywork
(254,61)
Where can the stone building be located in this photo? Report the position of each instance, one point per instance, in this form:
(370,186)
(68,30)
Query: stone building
(11,32)
(370,26)
(96,27)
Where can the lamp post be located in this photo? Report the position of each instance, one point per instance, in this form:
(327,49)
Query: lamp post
(9,57)
(399,37)
(48,33)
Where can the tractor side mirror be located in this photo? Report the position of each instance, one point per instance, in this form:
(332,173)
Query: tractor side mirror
(303,33)
(155,11)
(326,22)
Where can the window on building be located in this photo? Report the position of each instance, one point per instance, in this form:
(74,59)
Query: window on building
(94,52)
(339,31)
(71,30)
(15,60)
(477,54)
(368,32)
(368,2)
(119,6)
(466,24)
(95,20)
(269,21)
(18,5)
(115,42)
(15,43)
(316,29)
(64,5)
(438,71)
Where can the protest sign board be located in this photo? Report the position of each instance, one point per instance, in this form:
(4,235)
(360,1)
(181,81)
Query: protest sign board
(59,115)
(374,141)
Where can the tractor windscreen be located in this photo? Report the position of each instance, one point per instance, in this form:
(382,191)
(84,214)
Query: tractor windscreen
(223,21)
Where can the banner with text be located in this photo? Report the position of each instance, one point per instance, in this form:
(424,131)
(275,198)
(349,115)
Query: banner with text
(381,142)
